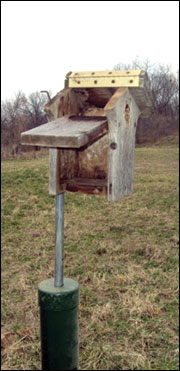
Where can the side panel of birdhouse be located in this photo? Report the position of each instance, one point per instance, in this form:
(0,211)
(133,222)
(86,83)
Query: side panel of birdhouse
(122,113)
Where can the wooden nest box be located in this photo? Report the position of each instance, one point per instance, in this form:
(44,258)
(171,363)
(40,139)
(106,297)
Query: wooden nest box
(91,132)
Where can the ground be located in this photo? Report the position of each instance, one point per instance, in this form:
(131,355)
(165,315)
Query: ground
(123,254)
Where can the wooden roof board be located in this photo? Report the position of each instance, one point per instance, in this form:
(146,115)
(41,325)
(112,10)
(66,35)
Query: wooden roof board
(129,78)
(108,73)
(66,132)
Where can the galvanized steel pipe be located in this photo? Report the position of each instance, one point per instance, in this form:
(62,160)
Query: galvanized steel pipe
(59,241)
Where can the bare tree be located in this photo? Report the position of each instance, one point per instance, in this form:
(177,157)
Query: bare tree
(165,90)
(136,64)
(19,114)
(11,118)
(164,85)
(11,110)
(34,109)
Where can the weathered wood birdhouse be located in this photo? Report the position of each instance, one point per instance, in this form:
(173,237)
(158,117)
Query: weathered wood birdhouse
(91,132)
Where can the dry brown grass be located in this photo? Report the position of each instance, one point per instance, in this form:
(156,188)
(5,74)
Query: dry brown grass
(124,255)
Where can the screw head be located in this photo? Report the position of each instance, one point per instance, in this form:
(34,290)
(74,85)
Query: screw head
(113,145)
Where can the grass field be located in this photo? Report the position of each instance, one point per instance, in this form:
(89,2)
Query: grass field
(123,254)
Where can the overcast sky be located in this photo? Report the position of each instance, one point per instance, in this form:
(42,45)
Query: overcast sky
(43,40)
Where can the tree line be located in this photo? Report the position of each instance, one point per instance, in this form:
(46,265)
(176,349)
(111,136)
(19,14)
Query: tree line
(20,114)
(23,113)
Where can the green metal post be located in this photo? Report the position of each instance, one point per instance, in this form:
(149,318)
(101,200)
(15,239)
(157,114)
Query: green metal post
(58,301)
(59,324)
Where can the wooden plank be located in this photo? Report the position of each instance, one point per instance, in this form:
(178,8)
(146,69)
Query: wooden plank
(101,81)
(143,100)
(113,73)
(86,185)
(63,164)
(65,132)
(54,172)
(91,79)
(122,113)
(87,182)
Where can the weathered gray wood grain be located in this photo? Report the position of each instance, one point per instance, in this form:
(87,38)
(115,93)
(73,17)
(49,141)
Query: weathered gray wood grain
(122,113)
(54,172)
(65,132)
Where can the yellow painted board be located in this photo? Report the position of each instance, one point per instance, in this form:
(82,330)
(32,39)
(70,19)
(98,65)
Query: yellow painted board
(104,81)
(112,73)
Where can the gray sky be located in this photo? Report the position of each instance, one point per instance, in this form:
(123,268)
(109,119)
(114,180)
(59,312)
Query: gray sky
(43,40)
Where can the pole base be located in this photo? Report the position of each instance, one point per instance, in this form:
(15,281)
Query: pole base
(59,324)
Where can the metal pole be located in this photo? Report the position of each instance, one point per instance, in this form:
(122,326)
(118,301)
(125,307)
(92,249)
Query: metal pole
(59,241)
(58,301)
